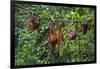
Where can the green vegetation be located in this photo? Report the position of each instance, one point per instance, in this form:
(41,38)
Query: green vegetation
(33,47)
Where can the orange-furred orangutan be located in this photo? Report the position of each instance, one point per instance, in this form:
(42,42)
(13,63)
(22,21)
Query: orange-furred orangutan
(59,35)
(55,37)
(84,28)
(52,37)
(33,22)
(71,35)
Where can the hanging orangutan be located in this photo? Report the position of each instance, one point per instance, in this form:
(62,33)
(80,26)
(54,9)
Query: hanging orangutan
(55,38)
(59,35)
(52,38)
(72,35)
(33,22)
(84,28)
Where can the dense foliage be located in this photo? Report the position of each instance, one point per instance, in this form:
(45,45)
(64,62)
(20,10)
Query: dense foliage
(33,47)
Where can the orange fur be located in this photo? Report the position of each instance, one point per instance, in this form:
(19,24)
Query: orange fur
(32,24)
(55,37)
(59,35)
